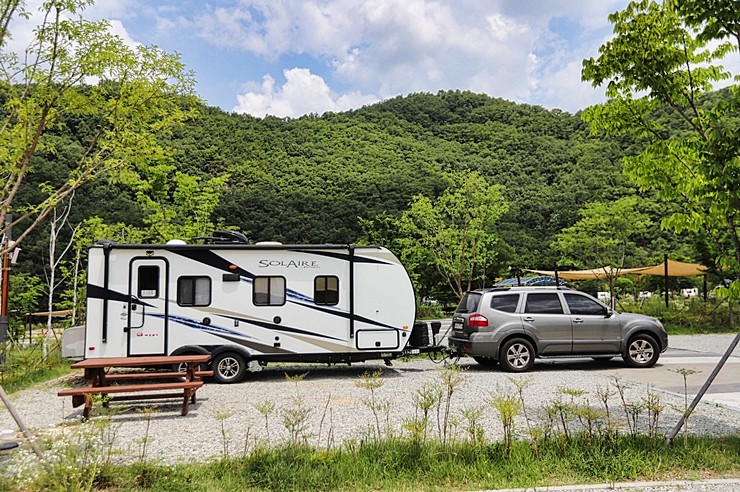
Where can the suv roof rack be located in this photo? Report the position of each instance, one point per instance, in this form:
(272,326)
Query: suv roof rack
(537,287)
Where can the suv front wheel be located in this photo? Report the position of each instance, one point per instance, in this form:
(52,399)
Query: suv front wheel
(517,355)
(642,351)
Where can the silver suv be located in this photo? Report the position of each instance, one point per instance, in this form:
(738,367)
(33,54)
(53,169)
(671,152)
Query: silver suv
(517,325)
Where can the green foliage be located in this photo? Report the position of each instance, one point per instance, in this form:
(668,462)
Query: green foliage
(457,229)
(25,366)
(398,464)
(657,76)
(688,316)
(24,294)
(118,121)
(604,235)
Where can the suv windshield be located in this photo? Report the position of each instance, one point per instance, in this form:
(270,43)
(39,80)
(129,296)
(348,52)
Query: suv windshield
(469,302)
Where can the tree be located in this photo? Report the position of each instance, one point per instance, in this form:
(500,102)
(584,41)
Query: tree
(603,237)
(75,72)
(57,222)
(455,232)
(656,65)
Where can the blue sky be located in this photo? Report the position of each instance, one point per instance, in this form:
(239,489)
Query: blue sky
(292,57)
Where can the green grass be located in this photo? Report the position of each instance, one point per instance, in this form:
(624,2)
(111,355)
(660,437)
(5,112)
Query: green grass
(400,464)
(25,366)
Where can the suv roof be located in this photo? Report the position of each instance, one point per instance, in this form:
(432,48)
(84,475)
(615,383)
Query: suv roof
(523,288)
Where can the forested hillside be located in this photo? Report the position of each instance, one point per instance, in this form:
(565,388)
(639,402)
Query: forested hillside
(310,180)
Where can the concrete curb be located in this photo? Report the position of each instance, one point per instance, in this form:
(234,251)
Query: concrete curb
(626,485)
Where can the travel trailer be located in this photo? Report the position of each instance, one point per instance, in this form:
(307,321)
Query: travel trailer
(248,304)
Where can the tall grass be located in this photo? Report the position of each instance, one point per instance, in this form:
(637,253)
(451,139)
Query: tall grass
(25,365)
(567,440)
(687,316)
(403,464)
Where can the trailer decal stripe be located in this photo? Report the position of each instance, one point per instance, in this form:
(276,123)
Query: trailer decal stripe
(342,256)
(97,292)
(213,260)
(226,334)
(288,329)
(265,349)
(346,315)
(191,323)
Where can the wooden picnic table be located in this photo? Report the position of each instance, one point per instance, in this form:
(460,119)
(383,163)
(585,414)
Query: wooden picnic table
(99,381)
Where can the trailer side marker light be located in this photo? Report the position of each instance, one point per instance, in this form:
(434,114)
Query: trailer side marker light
(90,348)
(405,327)
(232,267)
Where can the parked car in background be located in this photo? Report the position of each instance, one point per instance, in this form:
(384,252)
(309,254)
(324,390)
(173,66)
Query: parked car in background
(515,326)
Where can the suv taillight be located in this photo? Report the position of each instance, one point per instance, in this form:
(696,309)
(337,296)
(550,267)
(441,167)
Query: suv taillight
(477,320)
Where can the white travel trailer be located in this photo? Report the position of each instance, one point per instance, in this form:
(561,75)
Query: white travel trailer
(249,304)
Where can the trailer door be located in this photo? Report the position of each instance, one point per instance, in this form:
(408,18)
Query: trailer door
(147,307)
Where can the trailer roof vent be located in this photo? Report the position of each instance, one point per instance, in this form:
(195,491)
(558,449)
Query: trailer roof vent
(268,243)
(176,242)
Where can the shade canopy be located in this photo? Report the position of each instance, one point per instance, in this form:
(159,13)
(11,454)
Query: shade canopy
(675,269)
(596,273)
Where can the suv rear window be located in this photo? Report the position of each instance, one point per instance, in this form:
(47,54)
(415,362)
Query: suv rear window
(469,302)
(543,304)
(506,303)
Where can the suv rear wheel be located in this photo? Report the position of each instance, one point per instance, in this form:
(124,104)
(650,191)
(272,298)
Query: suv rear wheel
(642,351)
(517,355)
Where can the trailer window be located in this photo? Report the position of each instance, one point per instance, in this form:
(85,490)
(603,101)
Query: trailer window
(148,281)
(194,291)
(269,291)
(326,290)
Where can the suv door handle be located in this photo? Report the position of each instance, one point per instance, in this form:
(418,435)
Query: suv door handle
(577,320)
(529,319)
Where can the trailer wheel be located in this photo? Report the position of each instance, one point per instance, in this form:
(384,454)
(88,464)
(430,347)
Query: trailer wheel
(183,367)
(228,367)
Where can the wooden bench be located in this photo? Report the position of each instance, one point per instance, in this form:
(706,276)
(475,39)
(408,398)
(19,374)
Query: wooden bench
(128,376)
(84,394)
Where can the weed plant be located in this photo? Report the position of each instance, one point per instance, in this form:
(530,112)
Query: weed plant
(687,316)
(402,464)
(25,365)
(571,441)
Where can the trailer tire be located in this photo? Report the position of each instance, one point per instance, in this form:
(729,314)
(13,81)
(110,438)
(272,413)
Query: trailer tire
(228,367)
(183,367)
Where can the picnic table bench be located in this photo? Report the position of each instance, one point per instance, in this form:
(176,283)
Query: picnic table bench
(99,381)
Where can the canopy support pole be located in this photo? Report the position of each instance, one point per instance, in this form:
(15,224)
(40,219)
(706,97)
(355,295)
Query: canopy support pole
(665,277)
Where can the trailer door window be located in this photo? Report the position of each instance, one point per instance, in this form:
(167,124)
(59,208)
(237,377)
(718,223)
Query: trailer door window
(148,281)
(269,291)
(194,291)
(326,290)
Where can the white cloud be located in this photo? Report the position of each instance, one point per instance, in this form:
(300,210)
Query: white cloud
(506,48)
(302,93)
(386,47)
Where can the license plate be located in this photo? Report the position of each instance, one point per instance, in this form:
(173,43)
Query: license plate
(457,326)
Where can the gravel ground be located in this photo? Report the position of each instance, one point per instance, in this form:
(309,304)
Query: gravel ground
(338,409)
(716,344)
